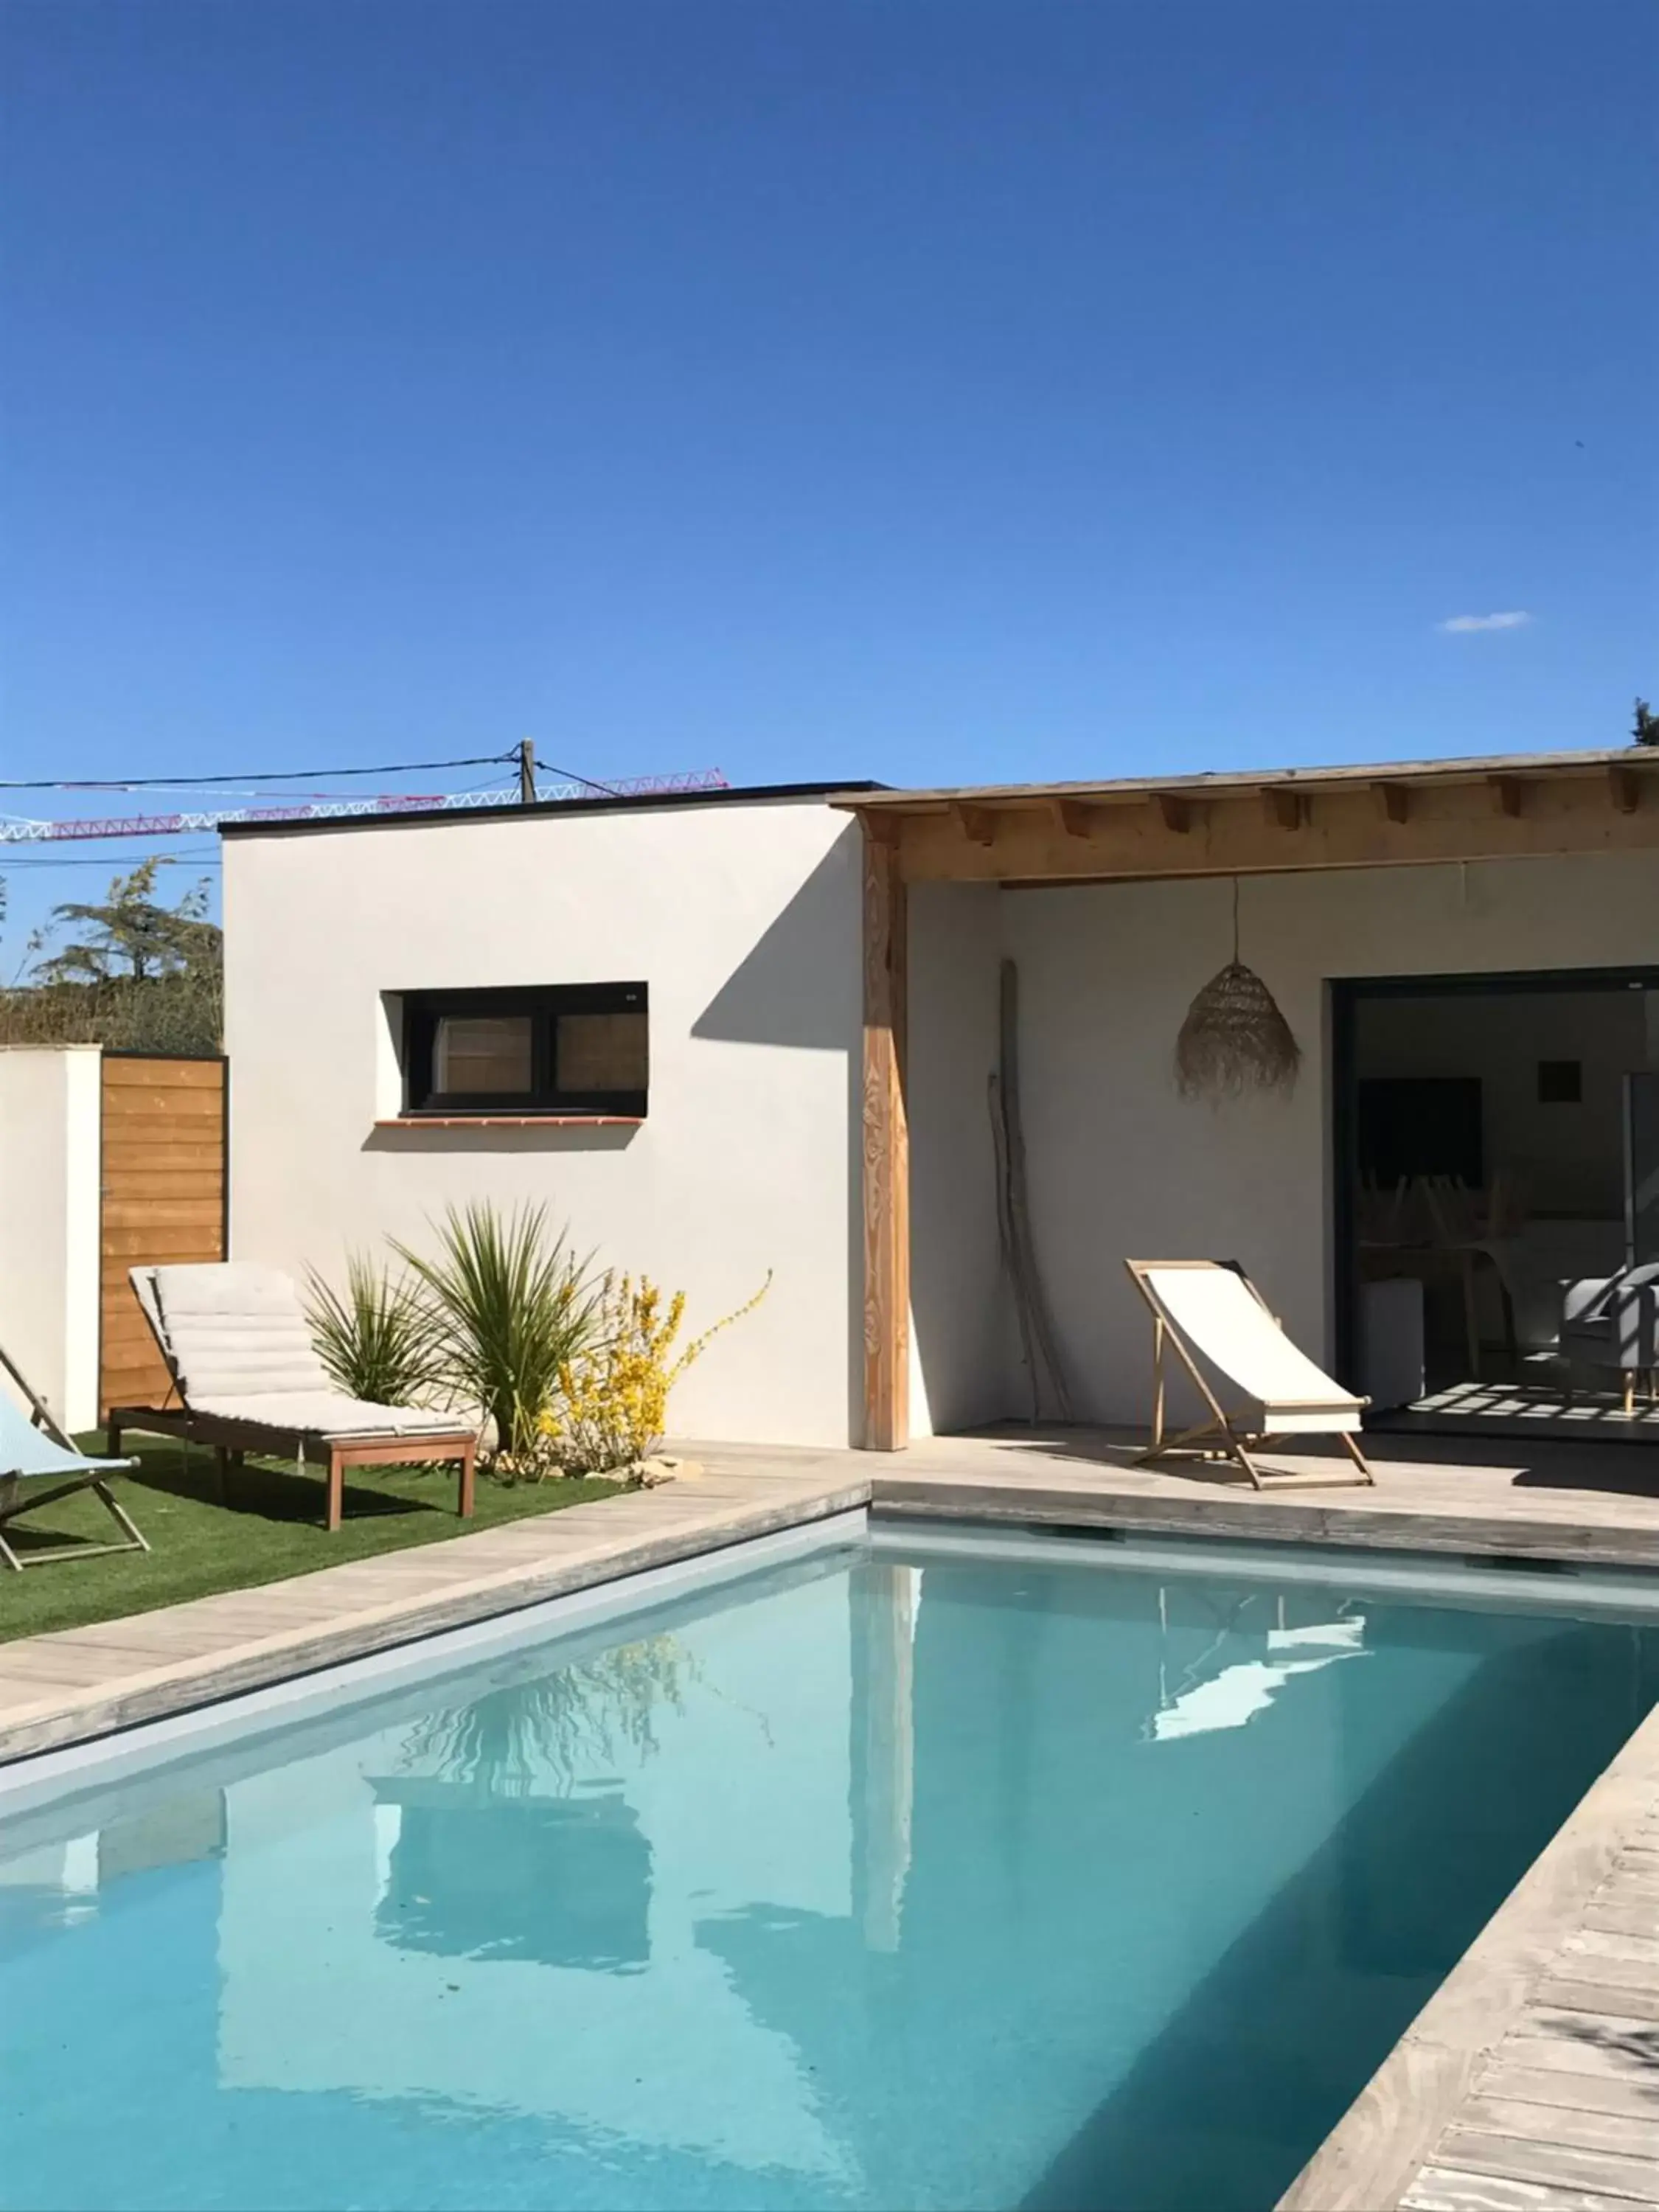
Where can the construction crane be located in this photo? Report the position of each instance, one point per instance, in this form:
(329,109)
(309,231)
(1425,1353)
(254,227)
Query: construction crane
(15,830)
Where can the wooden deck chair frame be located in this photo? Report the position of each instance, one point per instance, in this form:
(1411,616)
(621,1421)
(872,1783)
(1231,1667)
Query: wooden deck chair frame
(1224,1436)
(17,1501)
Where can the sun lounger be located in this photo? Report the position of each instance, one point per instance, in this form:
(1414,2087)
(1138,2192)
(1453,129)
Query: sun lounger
(39,1464)
(1212,1315)
(248,1378)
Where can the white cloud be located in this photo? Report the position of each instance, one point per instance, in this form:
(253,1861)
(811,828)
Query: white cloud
(1455,626)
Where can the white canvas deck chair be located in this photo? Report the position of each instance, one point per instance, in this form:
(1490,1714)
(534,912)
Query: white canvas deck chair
(39,1464)
(1211,1313)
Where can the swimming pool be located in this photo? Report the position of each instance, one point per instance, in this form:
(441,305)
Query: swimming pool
(913,1873)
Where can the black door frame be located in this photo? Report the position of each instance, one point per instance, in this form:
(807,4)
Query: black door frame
(1348,994)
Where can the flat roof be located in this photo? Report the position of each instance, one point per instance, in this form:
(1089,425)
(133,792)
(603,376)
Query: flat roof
(1472,769)
(871,797)
(406,817)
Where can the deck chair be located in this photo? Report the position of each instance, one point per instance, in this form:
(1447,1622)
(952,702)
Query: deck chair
(247,1377)
(39,1464)
(1211,1312)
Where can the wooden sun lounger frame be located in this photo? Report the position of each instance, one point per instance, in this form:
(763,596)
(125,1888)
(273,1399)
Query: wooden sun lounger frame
(232,1440)
(1224,1436)
(17,1501)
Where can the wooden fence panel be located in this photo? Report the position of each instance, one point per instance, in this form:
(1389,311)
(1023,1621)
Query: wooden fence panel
(163,1199)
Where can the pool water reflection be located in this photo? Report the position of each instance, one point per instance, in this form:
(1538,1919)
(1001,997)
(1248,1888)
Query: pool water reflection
(876,1882)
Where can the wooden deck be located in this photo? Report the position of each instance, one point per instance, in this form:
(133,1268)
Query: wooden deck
(1549,1500)
(1530,2081)
(1568,2103)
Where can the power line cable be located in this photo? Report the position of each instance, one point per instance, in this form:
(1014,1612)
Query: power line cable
(199,859)
(249,776)
(219,790)
(569,775)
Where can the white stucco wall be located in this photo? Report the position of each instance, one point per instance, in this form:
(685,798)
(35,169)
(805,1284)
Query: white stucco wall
(961,1319)
(49,1172)
(1120,1164)
(743,919)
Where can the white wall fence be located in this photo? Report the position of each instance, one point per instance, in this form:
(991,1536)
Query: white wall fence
(49,1222)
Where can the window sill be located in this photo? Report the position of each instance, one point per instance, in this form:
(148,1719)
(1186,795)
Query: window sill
(512,1121)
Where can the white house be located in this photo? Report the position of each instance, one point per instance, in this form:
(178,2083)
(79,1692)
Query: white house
(738,921)
(723,1034)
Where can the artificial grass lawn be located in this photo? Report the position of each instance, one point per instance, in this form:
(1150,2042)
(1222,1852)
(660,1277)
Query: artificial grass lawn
(269,1527)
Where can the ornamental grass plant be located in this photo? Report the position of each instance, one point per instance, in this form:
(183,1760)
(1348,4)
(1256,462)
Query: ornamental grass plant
(514,1307)
(380,1339)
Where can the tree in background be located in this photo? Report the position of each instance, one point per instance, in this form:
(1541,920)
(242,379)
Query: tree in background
(137,974)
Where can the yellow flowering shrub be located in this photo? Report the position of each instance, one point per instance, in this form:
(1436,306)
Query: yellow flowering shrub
(611,1408)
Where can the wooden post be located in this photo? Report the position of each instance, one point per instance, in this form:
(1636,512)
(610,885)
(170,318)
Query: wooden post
(886,1142)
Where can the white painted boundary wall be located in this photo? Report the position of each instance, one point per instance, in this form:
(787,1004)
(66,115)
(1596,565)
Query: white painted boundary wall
(1121,1165)
(50,1104)
(745,920)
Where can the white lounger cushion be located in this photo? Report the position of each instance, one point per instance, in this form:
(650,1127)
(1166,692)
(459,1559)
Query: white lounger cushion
(329,1413)
(240,1343)
(1221,1318)
(232,1328)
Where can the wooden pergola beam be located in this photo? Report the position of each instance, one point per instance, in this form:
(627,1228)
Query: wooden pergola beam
(977,823)
(886,1154)
(1365,824)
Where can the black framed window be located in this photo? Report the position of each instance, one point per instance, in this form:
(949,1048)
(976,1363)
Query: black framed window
(557,1049)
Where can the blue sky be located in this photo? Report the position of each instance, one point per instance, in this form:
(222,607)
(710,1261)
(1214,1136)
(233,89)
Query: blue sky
(934,391)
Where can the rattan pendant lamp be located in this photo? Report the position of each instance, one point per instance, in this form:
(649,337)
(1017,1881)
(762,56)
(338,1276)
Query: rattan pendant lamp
(1234,1038)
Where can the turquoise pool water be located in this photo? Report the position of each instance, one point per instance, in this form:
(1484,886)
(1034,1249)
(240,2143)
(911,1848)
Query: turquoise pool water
(887,1880)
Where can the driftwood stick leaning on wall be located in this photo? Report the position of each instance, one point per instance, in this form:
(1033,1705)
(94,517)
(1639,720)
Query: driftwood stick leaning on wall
(1005,1237)
(1039,1347)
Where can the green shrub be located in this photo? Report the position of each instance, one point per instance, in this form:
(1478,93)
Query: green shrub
(381,1340)
(513,1305)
